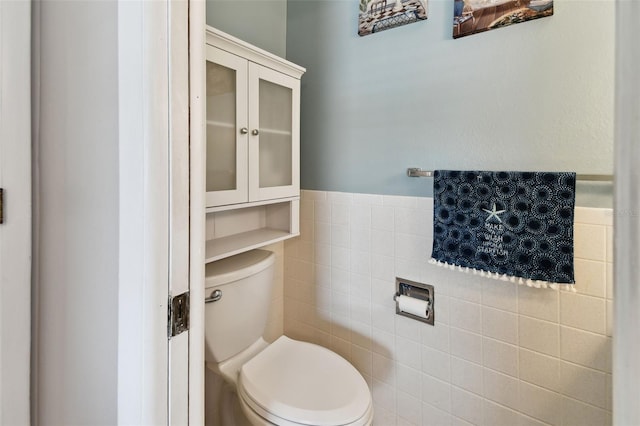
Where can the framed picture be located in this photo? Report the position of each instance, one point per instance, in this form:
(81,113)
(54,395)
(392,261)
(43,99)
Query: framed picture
(379,15)
(476,16)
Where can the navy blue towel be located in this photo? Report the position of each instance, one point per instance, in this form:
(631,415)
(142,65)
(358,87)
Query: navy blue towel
(507,223)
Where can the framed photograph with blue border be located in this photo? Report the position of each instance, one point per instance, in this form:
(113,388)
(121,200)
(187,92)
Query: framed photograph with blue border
(379,15)
(476,16)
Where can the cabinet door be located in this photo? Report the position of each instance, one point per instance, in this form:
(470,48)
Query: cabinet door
(227,134)
(274,141)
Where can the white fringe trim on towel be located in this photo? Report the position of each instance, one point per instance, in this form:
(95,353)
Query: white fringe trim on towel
(504,277)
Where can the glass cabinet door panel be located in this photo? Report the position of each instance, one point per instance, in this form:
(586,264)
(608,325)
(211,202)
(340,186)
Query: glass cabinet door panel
(275,126)
(274,142)
(221,128)
(227,135)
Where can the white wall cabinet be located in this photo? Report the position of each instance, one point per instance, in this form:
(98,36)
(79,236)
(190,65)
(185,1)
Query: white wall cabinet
(253,146)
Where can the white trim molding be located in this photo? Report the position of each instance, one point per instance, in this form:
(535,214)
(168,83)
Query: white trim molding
(626,344)
(197,132)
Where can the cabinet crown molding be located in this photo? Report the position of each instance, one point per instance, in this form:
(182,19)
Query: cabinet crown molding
(233,45)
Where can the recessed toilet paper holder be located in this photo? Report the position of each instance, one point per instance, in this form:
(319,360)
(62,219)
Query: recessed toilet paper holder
(419,291)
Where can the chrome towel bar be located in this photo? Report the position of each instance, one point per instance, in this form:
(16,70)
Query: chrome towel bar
(418,172)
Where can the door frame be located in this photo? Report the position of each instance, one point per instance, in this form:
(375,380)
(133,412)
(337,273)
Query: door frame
(626,299)
(154,157)
(197,195)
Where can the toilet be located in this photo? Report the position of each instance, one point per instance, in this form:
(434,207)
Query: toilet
(287,382)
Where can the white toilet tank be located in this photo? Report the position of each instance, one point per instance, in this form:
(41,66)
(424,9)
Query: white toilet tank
(239,317)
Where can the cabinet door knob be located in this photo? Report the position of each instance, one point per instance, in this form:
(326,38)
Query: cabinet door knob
(255,132)
(244,131)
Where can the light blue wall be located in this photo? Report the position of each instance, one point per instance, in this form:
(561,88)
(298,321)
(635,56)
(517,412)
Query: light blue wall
(533,96)
(262,23)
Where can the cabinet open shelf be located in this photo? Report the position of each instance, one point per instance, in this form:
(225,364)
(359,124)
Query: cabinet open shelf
(228,246)
(236,230)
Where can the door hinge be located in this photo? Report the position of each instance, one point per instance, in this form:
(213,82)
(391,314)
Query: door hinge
(1,207)
(178,314)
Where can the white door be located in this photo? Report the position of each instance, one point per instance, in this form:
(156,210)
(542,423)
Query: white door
(186,207)
(15,229)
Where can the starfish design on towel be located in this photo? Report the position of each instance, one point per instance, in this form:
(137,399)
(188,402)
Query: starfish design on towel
(494,213)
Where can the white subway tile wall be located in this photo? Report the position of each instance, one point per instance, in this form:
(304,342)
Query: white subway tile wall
(499,354)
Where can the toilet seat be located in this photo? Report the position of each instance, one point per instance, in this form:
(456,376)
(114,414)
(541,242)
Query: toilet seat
(299,383)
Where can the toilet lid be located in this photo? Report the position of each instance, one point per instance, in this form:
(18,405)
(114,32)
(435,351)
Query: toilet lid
(304,383)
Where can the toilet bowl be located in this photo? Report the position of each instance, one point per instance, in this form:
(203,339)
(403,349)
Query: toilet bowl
(287,382)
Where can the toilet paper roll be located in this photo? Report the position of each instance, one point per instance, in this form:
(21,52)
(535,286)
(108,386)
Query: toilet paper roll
(413,306)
